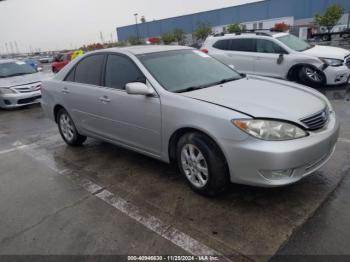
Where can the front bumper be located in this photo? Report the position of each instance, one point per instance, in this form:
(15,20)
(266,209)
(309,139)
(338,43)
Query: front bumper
(304,156)
(337,75)
(19,99)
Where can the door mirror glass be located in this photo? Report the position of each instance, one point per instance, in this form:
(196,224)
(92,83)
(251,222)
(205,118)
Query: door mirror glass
(232,66)
(138,88)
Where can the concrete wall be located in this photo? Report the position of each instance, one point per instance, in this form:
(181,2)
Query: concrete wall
(259,11)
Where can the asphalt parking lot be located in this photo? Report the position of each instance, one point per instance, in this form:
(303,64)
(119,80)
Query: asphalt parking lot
(101,199)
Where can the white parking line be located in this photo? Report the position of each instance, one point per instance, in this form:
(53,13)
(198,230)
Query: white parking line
(168,232)
(152,223)
(344,140)
(12,149)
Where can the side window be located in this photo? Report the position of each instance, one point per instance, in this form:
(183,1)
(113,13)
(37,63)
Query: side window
(222,44)
(89,70)
(121,70)
(267,46)
(242,45)
(70,76)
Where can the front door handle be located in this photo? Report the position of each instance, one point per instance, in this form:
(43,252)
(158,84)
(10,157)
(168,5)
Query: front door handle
(65,90)
(105,99)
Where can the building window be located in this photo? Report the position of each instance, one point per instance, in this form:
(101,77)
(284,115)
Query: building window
(255,26)
(261,25)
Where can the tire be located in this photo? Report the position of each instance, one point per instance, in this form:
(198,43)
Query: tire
(54,70)
(311,76)
(68,130)
(215,179)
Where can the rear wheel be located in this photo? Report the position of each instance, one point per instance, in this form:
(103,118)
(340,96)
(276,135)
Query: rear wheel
(55,70)
(68,130)
(202,164)
(311,76)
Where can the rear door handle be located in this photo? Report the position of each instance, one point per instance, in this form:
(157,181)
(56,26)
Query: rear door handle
(105,99)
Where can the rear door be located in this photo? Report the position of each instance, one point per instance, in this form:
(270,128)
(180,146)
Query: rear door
(239,52)
(271,59)
(82,94)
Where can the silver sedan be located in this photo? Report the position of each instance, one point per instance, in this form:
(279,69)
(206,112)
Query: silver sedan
(180,105)
(20,84)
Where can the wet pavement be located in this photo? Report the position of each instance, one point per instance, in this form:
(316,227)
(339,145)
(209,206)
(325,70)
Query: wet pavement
(102,199)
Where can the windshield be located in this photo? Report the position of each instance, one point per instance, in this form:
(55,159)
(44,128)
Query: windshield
(15,69)
(294,43)
(187,70)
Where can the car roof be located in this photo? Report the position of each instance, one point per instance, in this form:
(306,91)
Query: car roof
(146,49)
(256,34)
(3,61)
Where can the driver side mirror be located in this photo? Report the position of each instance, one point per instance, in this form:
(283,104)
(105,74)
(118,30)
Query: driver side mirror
(280,59)
(138,88)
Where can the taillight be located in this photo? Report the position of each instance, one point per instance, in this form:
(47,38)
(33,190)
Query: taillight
(205,51)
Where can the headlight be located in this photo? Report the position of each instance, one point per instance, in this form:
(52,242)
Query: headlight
(6,91)
(269,129)
(332,62)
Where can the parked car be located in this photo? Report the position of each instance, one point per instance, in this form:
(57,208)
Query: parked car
(177,104)
(60,61)
(345,33)
(281,55)
(20,84)
(34,63)
(46,59)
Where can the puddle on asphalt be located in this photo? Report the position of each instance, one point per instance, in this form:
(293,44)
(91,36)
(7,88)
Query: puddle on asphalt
(336,92)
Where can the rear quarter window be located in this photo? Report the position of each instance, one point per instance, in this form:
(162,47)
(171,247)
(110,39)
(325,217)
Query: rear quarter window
(222,44)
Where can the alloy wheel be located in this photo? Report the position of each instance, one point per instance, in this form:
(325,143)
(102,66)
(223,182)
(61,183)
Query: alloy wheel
(194,165)
(313,74)
(67,127)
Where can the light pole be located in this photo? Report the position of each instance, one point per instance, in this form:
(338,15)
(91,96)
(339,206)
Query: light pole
(137,26)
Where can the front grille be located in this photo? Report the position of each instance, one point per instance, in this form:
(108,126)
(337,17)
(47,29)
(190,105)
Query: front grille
(27,100)
(28,88)
(316,121)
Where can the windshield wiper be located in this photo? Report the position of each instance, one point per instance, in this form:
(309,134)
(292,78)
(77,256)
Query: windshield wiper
(223,81)
(226,80)
(193,88)
(189,89)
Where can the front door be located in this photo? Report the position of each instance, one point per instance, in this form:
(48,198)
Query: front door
(271,59)
(134,120)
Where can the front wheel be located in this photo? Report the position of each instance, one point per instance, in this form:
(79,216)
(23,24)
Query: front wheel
(68,130)
(202,164)
(311,76)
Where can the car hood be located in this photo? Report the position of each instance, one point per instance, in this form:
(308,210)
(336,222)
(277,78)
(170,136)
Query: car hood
(327,52)
(22,80)
(262,97)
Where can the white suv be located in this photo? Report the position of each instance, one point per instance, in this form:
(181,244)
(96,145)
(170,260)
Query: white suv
(281,55)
